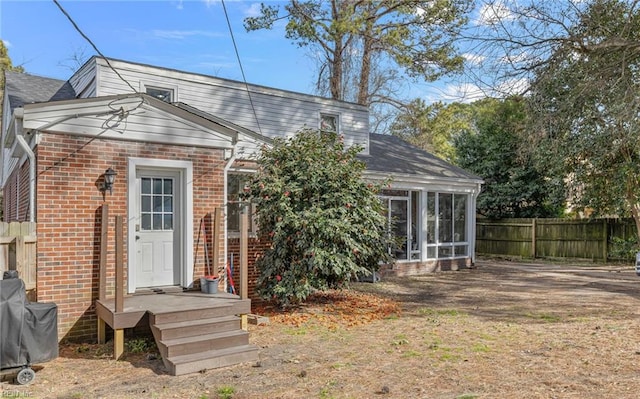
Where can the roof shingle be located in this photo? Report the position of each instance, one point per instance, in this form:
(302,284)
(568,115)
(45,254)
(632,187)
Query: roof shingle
(392,155)
(23,88)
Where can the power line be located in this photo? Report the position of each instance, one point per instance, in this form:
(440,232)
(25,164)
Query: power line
(235,47)
(93,45)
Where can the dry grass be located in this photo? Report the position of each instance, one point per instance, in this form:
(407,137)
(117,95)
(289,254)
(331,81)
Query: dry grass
(497,331)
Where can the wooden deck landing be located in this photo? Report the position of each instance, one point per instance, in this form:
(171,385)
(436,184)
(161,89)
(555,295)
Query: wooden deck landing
(193,330)
(136,306)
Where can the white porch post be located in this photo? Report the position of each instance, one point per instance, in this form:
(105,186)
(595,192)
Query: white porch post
(423,225)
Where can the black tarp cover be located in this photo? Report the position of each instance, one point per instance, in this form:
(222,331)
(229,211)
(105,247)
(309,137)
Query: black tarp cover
(28,331)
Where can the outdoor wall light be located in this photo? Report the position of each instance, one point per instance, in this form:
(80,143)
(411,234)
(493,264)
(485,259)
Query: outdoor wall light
(109,179)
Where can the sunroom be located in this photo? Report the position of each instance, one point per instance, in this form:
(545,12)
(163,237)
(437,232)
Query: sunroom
(430,206)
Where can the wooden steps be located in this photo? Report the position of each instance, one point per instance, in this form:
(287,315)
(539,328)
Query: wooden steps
(203,338)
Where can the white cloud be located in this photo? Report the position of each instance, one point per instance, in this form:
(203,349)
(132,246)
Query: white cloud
(183,34)
(513,86)
(474,59)
(7,43)
(463,92)
(253,10)
(491,14)
(210,3)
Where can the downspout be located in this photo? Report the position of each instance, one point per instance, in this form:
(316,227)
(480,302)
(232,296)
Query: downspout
(227,166)
(19,114)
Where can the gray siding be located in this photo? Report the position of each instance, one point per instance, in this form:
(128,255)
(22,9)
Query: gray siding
(280,113)
(84,81)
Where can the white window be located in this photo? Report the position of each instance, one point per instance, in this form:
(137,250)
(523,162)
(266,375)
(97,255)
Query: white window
(160,93)
(447,225)
(329,123)
(236,183)
(403,222)
(160,90)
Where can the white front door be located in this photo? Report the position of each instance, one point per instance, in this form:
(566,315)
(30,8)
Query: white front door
(157,228)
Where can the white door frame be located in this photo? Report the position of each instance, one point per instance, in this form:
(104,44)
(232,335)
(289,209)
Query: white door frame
(185,240)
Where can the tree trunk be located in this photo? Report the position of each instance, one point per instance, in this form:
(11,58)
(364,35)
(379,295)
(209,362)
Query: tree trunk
(335,79)
(365,69)
(635,212)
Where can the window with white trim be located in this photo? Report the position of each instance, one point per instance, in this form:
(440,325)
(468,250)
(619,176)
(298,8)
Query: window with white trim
(402,218)
(236,183)
(160,93)
(447,225)
(329,123)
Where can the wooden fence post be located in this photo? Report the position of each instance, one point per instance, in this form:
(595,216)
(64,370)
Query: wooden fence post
(534,227)
(605,240)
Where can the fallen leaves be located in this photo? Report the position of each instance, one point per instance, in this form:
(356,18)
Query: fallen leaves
(334,309)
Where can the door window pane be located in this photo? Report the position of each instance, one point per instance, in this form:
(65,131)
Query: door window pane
(146,185)
(157,186)
(168,222)
(157,221)
(168,186)
(145,221)
(168,205)
(156,203)
(146,203)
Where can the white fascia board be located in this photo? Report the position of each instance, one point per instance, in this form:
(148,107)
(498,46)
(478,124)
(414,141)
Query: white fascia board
(409,182)
(86,117)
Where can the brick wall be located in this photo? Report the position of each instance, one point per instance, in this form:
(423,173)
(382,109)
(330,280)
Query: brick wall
(255,249)
(69,205)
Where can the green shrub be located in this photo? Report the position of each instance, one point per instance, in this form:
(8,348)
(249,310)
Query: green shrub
(325,223)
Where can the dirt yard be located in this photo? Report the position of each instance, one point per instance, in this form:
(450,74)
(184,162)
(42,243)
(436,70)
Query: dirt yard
(501,330)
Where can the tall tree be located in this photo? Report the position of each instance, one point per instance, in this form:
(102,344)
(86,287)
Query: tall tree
(5,65)
(491,148)
(415,36)
(432,127)
(585,101)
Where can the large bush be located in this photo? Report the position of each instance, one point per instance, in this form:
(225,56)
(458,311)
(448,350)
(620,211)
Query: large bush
(325,223)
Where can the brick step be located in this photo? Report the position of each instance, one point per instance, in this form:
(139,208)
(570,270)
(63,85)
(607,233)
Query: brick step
(191,328)
(202,343)
(228,308)
(192,363)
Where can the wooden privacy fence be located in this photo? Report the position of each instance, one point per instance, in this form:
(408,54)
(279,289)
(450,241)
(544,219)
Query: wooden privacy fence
(18,250)
(551,238)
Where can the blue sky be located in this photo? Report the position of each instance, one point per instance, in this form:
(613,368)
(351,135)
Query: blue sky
(188,35)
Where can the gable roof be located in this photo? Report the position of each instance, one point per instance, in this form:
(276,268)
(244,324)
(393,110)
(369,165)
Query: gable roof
(23,88)
(393,156)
